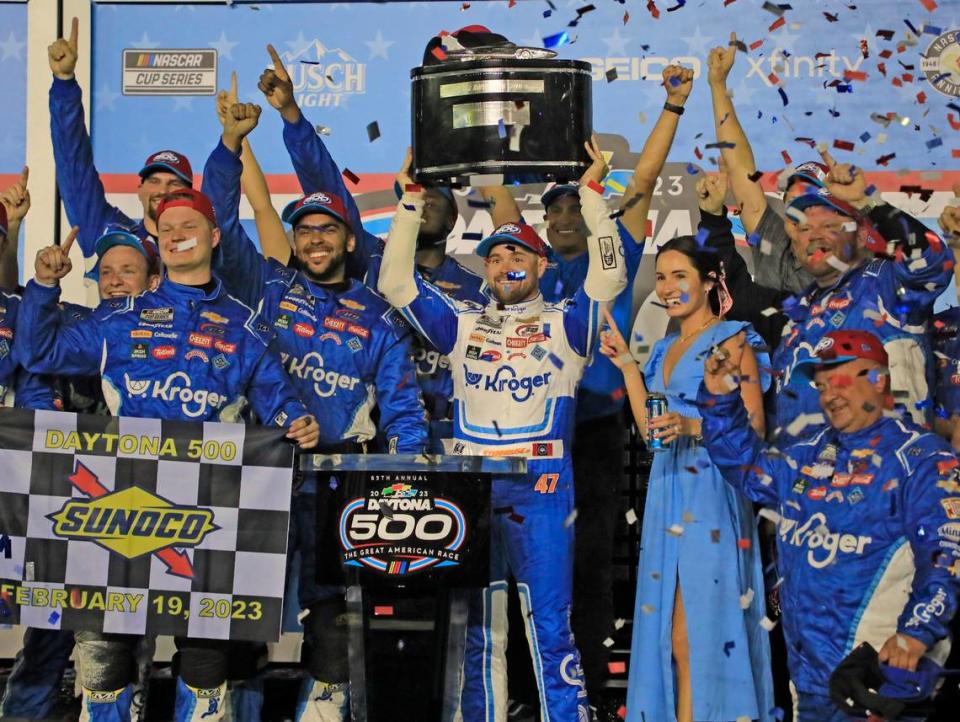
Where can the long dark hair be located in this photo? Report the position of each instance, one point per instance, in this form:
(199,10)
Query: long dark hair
(704,260)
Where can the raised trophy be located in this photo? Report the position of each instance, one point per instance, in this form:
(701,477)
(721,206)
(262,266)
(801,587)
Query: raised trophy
(486,111)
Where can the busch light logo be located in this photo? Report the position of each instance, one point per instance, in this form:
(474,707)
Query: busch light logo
(823,544)
(166,157)
(322,76)
(310,368)
(176,388)
(506,379)
(508,228)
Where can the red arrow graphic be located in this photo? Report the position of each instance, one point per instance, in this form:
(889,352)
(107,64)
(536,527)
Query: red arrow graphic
(177,562)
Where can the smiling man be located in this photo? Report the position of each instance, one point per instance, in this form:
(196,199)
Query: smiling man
(868,511)
(185,351)
(516,365)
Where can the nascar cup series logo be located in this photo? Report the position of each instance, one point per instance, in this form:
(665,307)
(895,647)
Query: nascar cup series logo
(132,522)
(322,76)
(941,63)
(400,529)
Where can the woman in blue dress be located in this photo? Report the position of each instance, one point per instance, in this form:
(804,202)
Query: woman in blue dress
(699,652)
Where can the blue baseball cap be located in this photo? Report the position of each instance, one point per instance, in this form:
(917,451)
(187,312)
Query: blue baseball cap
(558,191)
(118,236)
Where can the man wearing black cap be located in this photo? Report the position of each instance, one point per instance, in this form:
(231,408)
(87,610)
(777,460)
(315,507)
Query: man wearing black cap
(83,195)
(868,511)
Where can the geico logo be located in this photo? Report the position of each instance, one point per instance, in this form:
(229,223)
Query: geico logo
(325,381)
(506,379)
(176,388)
(648,68)
(429,361)
(397,527)
(79,519)
(823,544)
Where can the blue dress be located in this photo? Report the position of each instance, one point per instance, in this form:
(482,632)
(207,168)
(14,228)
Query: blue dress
(691,526)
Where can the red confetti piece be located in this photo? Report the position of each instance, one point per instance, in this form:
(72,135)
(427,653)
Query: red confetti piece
(955,124)
(756,44)
(774,80)
(438,53)
(626,17)
(622,712)
(652,7)
(930,5)
(786,157)
(955,153)
(384,610)
(743,543)
(648,229)
(594,186)
(885,54)
(618,394)
(884,159)
(413,188)
(875,440)
(778,23)
(697,152)
(921,97)
(897,82)
(854,75)
(842,144)
(907,77)
(882,68)
(617,667)
(351,176)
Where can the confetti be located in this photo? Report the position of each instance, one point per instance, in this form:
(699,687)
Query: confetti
(383,610)
(675,530)
(611,75)
(350,176)
(727,646)
(934,143)
(743,543)
(553,41)
(631,516)
(373,131)
(571,517)
(617,667)
(439,54)
(53,618)
(715,536)
(768,624)
(746,599)
(843,145)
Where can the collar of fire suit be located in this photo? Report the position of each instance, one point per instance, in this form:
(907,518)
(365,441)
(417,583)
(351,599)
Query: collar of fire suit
(324,291)
(179,290)
(813,292)
(866,435)
(533,307)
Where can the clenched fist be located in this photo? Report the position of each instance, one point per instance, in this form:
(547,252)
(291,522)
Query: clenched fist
(241,118)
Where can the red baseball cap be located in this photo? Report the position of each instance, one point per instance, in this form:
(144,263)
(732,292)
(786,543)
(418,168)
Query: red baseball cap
(518,233)
(839,347)
(191,199)
(320,202)
(810,172)
(170,161)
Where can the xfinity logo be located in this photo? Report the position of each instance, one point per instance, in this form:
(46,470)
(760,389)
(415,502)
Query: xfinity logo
(506,379)
(310,368)
(797,66)
(176,388)
(822,543)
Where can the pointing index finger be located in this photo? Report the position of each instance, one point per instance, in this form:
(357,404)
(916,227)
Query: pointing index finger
(233,87)
(278,67)
(68,241)
(827,158)
(74,34)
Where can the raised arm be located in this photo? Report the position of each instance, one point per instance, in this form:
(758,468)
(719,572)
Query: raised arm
(236,260)
(678,83)
(430,310)
(745,462)
(736,150)
(80,188)
(273,237)
(43,343)
(606,265)
(16,202)
(314,166)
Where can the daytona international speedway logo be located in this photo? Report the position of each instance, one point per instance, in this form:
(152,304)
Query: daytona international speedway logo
(132,522)
(400,529)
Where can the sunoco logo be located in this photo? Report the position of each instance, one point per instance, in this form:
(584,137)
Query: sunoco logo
(132,522)
(401,530)
(322,76)
(941,63)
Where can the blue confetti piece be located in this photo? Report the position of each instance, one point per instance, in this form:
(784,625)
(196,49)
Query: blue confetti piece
(692,169)
(552,41)
(778,714)
(501,129)
(674,81)
(516,275)
(864,137)
(754,239)
(547,13)
(555,360)
(684,297)
(53,618)
(910,25)
(638,336)
(934,143)
(783,97)
(727,646)
(844,88)
(702,236)
(932,30)
(471,236)
(334,483)
(870,190)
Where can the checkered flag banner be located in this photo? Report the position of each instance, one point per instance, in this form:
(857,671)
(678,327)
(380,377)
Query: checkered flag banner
(143,526)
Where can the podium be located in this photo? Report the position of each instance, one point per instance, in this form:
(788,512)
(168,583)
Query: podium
(414,540)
